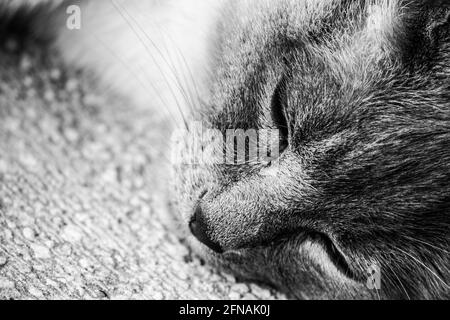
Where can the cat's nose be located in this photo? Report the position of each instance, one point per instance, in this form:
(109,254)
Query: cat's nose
(199,230)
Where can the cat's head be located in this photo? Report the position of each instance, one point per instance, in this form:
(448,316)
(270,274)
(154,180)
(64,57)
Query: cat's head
(352,100)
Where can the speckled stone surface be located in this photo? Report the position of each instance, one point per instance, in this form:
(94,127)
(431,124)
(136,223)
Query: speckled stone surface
(81,215)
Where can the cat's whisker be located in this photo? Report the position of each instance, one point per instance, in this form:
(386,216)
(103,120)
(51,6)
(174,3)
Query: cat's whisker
(166,57)
(399,281)
(174,70)
(429,244)
(425,266)
(188,69)
(133,73)
(127,20)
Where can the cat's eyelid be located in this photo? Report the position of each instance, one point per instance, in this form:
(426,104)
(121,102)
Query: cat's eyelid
(278,112)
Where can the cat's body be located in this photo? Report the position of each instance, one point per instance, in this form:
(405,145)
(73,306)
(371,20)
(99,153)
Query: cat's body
(360,93)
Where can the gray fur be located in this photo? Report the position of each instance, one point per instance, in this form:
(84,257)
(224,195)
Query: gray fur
(361,91)
(365,94)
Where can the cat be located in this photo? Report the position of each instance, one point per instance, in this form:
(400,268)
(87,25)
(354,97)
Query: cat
(353,202)
(360,94)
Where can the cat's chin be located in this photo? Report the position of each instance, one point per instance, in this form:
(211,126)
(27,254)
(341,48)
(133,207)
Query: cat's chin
(306,266)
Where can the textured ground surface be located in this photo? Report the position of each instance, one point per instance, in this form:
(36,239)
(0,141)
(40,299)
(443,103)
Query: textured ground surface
(79,216)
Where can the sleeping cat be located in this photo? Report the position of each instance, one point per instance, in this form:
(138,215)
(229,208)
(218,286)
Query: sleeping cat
(353,202)
(359,91)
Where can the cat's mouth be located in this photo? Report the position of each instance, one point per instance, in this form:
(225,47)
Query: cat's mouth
(317,245)
(327,246)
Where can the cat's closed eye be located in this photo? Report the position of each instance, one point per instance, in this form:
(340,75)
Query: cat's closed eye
(278,113)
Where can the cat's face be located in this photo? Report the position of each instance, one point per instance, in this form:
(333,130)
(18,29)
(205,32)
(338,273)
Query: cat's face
(357,186)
